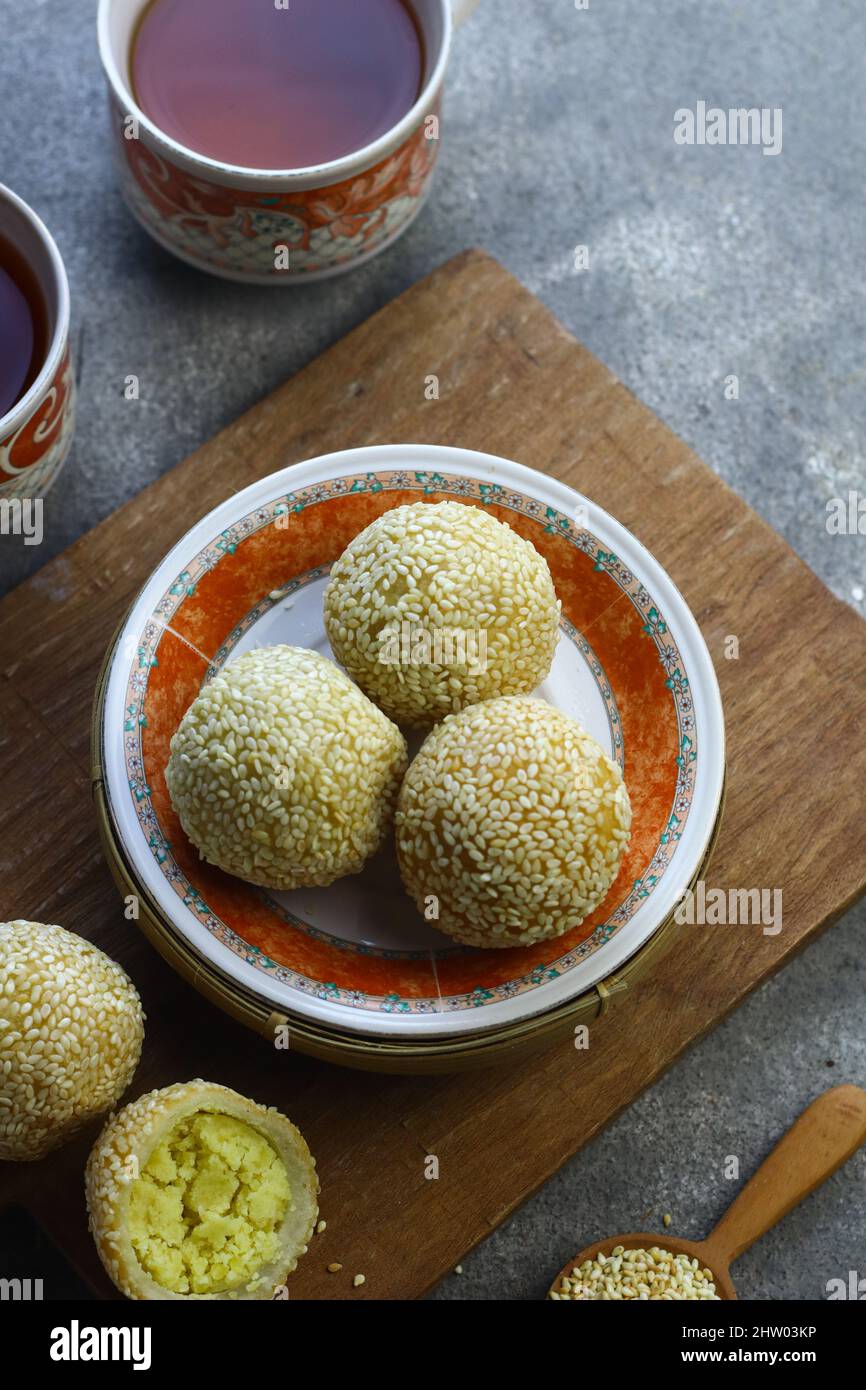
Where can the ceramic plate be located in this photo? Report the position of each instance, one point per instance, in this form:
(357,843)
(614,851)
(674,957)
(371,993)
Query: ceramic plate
(631,665)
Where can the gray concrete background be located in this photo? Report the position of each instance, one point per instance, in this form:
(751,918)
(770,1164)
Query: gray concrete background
(703,262)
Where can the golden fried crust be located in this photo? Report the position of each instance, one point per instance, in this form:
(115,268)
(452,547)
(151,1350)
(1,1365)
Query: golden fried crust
(71,1031)
(122,1150)
(515,820)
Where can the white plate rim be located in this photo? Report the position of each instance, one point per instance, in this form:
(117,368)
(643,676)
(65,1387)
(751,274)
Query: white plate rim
(549,491)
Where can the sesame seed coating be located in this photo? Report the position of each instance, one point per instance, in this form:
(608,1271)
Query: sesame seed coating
(452,572)
(514,819)
(120,1155)
(71,1029)
(283,772)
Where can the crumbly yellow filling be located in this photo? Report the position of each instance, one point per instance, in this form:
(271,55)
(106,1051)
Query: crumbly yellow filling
(205,1212)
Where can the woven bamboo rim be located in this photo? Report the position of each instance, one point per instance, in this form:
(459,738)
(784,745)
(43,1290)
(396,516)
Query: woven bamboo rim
(469,1051)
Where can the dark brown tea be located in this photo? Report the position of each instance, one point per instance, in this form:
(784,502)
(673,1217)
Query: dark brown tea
(247,82)
(23,327)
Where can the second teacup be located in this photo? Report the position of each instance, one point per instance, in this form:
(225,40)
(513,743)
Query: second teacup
(38,411)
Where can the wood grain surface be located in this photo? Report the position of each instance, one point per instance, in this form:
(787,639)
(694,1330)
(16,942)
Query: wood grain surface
(512,382)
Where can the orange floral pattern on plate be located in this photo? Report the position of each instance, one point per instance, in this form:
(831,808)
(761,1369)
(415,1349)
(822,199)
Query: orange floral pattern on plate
(306,531)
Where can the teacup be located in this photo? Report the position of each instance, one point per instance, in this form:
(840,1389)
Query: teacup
(266,227)
(36,432)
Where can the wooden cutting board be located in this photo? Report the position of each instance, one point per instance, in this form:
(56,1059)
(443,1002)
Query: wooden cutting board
(512,382)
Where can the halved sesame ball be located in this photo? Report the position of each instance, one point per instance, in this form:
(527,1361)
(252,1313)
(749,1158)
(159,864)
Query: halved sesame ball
(283,772)
(196,1192)
(71,1029)
(515,820)
(436,606)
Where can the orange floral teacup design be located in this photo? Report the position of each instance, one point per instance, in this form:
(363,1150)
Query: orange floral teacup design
(35,435)
(267,227)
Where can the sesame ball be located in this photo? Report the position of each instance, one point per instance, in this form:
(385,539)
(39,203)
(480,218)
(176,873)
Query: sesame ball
(195,1192)
(283,772)
(71,1029)
(436,606)
(515,820)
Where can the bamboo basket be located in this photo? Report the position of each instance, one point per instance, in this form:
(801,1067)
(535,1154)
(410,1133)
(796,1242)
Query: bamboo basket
(511,1042)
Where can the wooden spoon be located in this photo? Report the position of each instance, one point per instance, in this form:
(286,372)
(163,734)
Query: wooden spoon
(827,1133)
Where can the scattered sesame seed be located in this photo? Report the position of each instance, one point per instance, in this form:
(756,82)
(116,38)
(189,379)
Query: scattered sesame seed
(458,1269)
(442,568)
(322,1226)
(358,1280)
(334,1268)
(283,772)
(638,1275)
(667,1219)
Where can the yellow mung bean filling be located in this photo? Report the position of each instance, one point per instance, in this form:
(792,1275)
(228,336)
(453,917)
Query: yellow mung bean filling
(205,1212)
